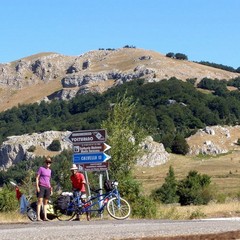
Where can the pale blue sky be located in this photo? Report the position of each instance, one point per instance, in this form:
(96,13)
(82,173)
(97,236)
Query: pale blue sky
(204,30)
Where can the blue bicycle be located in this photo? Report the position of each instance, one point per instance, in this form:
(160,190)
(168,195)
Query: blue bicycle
(116,206)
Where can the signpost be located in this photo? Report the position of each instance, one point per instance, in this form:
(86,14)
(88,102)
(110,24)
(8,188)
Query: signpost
(95,166)
(89,147)
(88,136)
(97,157)
(88,151)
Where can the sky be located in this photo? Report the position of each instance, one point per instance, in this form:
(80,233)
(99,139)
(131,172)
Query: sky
(204,30)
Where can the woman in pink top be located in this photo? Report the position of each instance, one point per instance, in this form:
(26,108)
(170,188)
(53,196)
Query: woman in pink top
(43,187)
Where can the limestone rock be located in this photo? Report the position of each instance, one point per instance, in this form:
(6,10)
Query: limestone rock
(15,148)
(214,140)
(154,154)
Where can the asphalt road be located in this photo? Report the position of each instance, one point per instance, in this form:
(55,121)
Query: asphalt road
(115,230)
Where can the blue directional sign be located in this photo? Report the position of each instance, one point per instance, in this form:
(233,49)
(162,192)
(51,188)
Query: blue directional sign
(98,157)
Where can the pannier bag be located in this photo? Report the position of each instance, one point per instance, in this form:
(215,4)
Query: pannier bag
(62,202)
(108,185)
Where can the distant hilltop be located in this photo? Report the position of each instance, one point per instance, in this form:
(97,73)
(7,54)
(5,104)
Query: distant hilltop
(46,76)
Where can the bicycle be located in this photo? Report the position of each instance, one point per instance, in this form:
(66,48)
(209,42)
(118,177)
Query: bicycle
(117,207)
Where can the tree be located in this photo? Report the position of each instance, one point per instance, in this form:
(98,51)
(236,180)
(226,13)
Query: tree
(167,193)
(180,145)
(170,55)
(194,189)
(181,56)
(124,136)
(55,145)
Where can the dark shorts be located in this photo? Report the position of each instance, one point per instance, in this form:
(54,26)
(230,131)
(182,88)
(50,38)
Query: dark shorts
(44,192)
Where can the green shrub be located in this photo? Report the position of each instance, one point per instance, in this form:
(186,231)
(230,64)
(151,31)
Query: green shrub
(197,214)
(142,206)
(31,148)
(8,200)
(55,146)
(194,189)
(167,193)
(180,145)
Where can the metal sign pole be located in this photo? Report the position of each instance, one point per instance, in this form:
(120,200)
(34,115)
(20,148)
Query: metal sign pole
(88,187)
(107,174)
(101,192)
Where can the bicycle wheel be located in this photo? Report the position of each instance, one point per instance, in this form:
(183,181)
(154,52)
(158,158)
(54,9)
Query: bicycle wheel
(64,215)
(118,211)
(32,214)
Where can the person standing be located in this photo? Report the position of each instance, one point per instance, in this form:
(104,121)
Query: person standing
(78,186)
(43,187)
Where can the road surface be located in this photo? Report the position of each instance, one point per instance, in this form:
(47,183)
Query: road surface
(115,230)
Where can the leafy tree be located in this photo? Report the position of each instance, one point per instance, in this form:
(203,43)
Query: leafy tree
(181,56)
(60,170)
(124,136)
(170,55)
(167,193)
(180,145)
(191,81)
(194,189)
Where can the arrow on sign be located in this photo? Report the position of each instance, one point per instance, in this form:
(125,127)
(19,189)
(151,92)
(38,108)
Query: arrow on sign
(90,158)
(90,147)
(106,147)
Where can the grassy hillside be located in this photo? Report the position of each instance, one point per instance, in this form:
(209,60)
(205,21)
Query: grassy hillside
(223,169)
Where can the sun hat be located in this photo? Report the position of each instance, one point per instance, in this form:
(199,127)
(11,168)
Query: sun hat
(48,160)
(74,167)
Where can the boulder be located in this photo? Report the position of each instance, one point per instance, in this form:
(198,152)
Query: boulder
(154,154)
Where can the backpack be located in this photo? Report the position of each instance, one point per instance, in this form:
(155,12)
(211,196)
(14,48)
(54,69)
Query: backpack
(62,202)
(108,185)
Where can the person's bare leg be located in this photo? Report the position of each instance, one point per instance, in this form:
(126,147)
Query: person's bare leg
(39,205)
(88,216)
(45,206)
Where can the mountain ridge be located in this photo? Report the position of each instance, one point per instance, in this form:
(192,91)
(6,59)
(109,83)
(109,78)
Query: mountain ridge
(55,75)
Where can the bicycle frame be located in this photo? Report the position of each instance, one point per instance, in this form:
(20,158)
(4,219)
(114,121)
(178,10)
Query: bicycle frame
(116,206)
(100,200)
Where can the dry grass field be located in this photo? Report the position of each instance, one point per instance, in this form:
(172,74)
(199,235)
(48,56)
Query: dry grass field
(224,171)
(225,177)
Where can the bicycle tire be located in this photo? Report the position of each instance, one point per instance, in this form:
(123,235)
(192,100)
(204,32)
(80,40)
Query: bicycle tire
(32,214)
(64,215)
(119,213)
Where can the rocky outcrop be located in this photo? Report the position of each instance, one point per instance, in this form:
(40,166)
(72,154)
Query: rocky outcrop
(214,140)
(154,154)
(96,67)
(15,149)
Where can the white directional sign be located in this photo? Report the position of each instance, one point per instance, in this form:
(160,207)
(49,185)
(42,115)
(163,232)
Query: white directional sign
(90,147)
(87,136)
